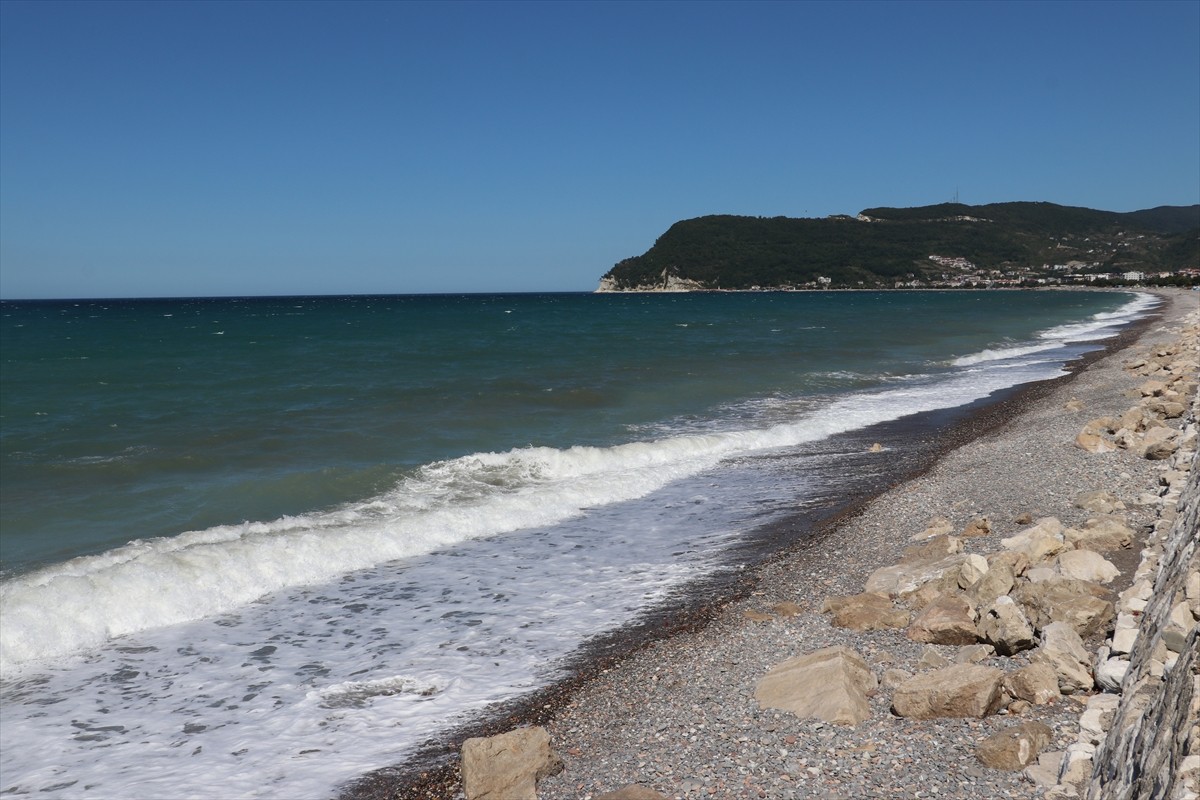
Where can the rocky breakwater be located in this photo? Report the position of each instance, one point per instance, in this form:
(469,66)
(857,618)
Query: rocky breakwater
(1043,595)
(1056,654)
(1037,601)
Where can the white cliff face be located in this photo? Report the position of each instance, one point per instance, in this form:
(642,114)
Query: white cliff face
(674,283)
(668,281)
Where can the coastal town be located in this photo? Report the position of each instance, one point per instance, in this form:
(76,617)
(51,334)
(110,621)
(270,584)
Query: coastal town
(961,273)
(1086,261)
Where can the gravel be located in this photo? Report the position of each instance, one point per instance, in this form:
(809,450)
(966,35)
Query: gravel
(674,711)
(679,716)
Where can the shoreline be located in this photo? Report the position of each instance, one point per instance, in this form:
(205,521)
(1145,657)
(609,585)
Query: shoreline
(1066,287)
(715,609)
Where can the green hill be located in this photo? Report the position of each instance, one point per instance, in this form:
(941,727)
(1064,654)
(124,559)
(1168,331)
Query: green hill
(886,246)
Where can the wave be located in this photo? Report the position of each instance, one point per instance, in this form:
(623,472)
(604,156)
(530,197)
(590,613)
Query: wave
(80,604)
(1098,326)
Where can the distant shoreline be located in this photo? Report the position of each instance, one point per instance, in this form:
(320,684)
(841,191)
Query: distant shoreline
(277,297)
(844,289)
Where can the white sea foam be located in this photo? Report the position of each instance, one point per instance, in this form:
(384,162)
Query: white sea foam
(1005,352)
(290,697)
(148,584)
(1098,326)
(385,621)
(80,604)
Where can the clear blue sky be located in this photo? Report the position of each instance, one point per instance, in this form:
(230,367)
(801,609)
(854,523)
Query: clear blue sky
(224,148)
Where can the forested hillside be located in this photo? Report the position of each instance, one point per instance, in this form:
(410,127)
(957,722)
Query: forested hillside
(888,246)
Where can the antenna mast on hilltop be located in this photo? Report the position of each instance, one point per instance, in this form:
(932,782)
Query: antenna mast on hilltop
(956,195)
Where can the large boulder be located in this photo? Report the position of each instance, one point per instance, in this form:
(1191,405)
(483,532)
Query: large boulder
(1102,425)
(865,612)
(1035,683)
(1101,534)
(508,766)
(1062,650)
(1158,444)
(996,582)
(1110,672)
(1099,502)
(1003,625)
(932,549)
(1015,747)
(1043,540)
(1168,409)
(959,690)
(1134,419)
(1082,604)
(950,619)
(1152,388)
(923,596)
(1016,562)
(831,684)
(973,568)
(1093,442)
(980,526)
(1086,565)
(902,579)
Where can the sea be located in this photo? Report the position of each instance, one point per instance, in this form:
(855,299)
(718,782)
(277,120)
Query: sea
(259,547)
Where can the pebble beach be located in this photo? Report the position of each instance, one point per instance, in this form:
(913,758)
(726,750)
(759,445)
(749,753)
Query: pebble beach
(678,716)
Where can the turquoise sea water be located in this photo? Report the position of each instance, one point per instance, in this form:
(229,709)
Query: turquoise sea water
(324,528)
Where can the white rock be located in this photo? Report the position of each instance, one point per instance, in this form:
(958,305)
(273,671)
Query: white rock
(1192,591)
(1135,597)
(973,568)
(1077,764)
(1080,750)
(1123,640)
(1086,565)
(1039,542)
(1147,499)
(1111,674)
(1040,574)
(901,579)
(1097,719)
(1189,768)
(1063,651)
(1045,772)
(1126,620)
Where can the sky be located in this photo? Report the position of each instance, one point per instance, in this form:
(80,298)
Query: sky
(166,149)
